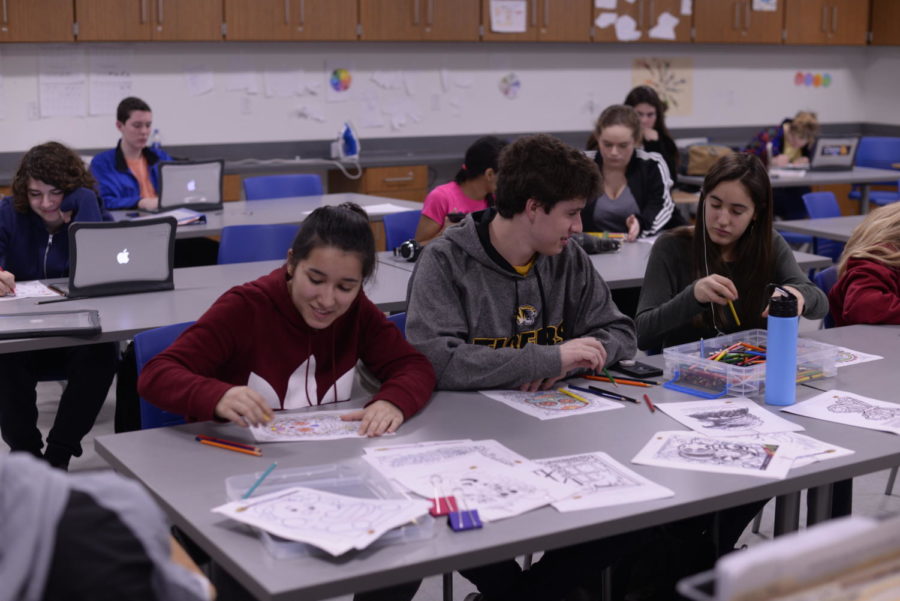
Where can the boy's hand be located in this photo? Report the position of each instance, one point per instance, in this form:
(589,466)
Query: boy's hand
(244,407)
(380,417)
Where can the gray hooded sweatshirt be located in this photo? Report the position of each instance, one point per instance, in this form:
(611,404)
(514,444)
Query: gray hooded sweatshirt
(482,325)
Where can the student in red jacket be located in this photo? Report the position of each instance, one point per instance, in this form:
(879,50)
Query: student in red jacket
(868,286)
(292,339)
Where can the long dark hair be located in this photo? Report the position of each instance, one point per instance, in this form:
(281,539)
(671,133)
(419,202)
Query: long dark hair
(54,164)
(345,227)
(483,154)
(647,95)
(753,268)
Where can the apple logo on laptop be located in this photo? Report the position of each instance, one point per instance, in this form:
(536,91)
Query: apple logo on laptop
(191,185)
(122,257)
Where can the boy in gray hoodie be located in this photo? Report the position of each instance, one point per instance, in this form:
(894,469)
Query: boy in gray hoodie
(508,300)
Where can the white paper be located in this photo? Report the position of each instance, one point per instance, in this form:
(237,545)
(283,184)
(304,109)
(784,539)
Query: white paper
(551,404)
(727,417)
(334,523)
(626,29)
(850,409)
(509,16)
(687,7)
(242,75)
(665,27)
(691,451)
(199,80)
(183,217)
(62,84)
(605,4)
(601,480)
(389,460)
(30,289)
(402,112)
(384,209)
(765,5)
(306,426)
(847,356)
(777,172)
(808,450)
(282,84)
(606,19)
(387,80)
(370,114)
(110,78)
(409,83)
(306,111)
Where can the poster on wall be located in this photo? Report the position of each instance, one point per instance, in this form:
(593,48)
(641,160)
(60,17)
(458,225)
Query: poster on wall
(509,16)
(672,78)
(765,5)
(339,83)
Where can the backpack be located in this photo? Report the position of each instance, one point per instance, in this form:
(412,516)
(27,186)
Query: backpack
(700,157)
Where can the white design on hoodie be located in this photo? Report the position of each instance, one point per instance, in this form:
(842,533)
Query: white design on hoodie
(302,389)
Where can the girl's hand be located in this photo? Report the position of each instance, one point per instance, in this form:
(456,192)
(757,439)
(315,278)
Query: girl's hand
(793,291)
(779,161)
(380,417)
(634,228)
(149,204)
(715,288)
(244,407)
(7,283)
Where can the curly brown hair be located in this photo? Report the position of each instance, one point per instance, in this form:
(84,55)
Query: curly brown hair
(54,164)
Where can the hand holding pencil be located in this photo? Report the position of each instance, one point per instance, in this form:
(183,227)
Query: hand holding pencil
(7,282)
(243,407)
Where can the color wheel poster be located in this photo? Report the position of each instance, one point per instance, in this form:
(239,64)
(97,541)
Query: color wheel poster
(339,81)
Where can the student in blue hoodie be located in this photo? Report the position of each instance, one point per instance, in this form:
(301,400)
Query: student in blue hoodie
(51,189)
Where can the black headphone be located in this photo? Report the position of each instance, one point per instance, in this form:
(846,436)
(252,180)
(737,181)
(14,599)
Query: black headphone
(409,250)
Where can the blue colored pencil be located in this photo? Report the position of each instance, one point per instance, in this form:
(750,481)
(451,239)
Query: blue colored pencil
(259,480)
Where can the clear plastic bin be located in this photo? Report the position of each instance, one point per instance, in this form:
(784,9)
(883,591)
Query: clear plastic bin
(353,478)
(705,377)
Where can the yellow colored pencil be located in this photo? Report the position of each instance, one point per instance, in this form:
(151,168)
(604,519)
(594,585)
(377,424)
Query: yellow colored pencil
(574,396)
(734,314)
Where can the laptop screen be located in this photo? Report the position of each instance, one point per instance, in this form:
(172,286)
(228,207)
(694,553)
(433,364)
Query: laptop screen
(195,185)
(834,153)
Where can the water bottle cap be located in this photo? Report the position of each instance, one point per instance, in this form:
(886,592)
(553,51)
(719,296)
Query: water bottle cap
(782,306)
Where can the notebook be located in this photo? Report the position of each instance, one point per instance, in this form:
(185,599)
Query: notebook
(834,154)
(123,257)
(191,184)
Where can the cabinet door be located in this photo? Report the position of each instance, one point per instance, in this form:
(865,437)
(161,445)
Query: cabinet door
(267,20)
(657,15)
(187,20)
(326,19)
(391,20)
(451,20)
(531,24)
(849,22)
(885,22)
(36,21)
(113,20)
(826,22)
(564,20)
(722,21)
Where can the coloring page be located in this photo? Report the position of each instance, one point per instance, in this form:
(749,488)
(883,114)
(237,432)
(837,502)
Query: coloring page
(551,404)
(691,451)
(602,481)
(415,445)
(851,409)
(334,523)
(388,460)
(306,425)
(848,356)
(727,417)
(30,289)
(809,450)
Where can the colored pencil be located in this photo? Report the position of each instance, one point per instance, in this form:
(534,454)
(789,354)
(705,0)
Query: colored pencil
(583,389)
(734,314)
(612,395)
(620,381)
(260,479)
(569,393)
(229,447)
(611,379)
(650,403)
(233,443)
(635,379)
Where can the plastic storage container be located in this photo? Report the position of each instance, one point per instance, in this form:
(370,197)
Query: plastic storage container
(353,478)
(701,376)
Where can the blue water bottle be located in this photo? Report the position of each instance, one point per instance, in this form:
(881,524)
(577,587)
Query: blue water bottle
(155,141)
(781,350)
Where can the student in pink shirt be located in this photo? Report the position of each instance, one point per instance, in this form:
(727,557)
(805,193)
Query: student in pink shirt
(470,191)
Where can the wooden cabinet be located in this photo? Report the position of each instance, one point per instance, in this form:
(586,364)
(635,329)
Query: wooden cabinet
(400,182)
(419,20)
(833,22)
(290,20)
(723,21)
(652,19)
(145,20)
(187,20)
(36,21)
(885,22)
(546,21)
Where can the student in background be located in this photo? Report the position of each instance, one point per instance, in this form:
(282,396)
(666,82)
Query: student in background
(506,300)
(471,190)
(129,173)
(868,286)
(634,198)
(654,133)
(51,189)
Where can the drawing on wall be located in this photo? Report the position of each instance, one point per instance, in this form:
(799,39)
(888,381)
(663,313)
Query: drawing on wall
(510,85)
(727,417)
(551,404)
(851,409)
(812,80)
(339,81)
(672,78)
(509,16)
(316,425)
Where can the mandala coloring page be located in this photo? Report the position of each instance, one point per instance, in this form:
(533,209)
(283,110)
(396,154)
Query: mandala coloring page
(851,409)
(302,426)
(551,404)
(728,417)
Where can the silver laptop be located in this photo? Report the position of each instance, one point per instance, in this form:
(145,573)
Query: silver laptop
(122,257)
(834,153)
(191,184)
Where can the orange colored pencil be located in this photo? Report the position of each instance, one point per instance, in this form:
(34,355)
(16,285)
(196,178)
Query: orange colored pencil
(619,380)
(257,453)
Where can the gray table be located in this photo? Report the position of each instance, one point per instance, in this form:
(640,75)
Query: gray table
(196,288)
(857,175)
(275,211)
(832,228)
(624,268)
(188,492)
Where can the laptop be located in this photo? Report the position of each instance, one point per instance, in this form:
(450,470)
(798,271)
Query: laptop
(122,257)
(834,154)
(193,185)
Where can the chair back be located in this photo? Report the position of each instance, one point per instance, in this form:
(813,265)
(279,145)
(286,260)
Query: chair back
(243,243)
(146,346)
(826,279)
(820,205)
(399,320)
(282,186)
(400,227)
(879,152)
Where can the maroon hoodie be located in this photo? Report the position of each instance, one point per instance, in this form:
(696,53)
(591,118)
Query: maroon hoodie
(255,328)
(868,292)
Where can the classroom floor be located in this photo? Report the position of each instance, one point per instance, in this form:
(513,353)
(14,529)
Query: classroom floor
(868,491)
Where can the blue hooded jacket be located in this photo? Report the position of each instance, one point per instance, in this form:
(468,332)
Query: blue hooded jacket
(119,188)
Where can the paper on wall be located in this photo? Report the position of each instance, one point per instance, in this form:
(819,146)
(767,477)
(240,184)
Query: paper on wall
(687,7)
(242,75)
(605,4)
(509,16)
(626,29)
(387,80)
(199,80)
(370,115)
(62,84)
(281,84)
(340,84)
(665,27)
(765,5)
(110,78)
(605,19)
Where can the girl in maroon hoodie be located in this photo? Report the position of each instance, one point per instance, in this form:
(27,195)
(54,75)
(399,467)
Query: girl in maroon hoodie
(292,339)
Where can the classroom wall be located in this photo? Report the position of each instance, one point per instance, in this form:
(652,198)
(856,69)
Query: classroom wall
(438,89)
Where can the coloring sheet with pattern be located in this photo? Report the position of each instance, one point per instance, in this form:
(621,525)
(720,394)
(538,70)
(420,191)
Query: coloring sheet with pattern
(851,409)
(602,481)
(305,425)
(809,450)
(391,459)
(693,451)
(334,523)
(727,417)
(551,404)
(847,356)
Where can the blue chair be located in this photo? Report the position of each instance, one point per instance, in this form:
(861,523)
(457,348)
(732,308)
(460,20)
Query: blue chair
(826,280)
(282,186)
(400,227)
(820,205)
(881,153)
(243,243)
(399,320)
(146,346)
